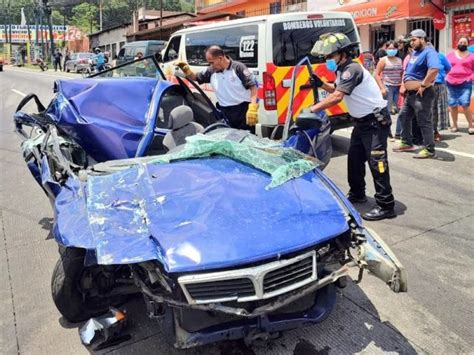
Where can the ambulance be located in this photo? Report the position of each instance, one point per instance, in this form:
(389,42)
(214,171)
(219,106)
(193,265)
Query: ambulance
(270,46)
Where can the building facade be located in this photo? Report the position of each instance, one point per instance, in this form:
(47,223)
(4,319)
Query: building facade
(377,20)
(245,8)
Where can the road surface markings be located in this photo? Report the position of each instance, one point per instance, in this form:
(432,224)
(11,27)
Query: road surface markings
(45,73)
(455,152)
(18,92)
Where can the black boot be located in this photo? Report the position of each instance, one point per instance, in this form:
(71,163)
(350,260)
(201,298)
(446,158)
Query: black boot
(377,213)
(356,199)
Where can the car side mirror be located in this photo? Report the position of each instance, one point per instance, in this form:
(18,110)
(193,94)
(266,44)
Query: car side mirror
(158,57)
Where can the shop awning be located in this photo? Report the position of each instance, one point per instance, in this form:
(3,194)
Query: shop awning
(385,11)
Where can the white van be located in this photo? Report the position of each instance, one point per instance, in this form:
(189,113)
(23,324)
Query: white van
(270,46)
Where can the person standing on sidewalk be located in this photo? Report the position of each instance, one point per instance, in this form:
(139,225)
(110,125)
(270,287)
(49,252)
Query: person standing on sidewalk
(57,60)
(389,74)
(460,80)
(67,57)
(417,85)
(440,102)
(359,90)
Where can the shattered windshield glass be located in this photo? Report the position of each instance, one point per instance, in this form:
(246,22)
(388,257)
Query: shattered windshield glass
(282,164)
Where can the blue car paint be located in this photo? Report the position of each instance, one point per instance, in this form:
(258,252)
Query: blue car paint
(108,127)
(196,215)
(342,197)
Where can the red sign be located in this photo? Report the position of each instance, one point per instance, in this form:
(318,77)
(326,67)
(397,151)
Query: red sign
(439,20)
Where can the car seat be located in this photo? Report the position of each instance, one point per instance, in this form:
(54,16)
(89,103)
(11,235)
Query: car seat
(182,126)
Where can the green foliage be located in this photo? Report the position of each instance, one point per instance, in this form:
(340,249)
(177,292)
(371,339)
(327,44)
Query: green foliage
(57,17)
(172,5)
(85,17)
(187,6)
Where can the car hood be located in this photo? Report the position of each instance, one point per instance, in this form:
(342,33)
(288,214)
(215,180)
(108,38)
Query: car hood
(197,214)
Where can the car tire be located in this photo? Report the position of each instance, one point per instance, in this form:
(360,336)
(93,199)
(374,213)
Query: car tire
(67,70)
(65,288)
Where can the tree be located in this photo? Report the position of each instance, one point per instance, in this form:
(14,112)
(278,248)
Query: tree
(187,6)
(57,17)
(85,17)
(172,5)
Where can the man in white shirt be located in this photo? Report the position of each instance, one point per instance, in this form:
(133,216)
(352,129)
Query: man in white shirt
(234,85)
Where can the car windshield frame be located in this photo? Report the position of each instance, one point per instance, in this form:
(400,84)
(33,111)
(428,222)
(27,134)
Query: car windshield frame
(132,66)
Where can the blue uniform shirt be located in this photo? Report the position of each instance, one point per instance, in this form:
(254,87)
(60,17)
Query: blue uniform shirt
(444,69)
(100,58)
(420,62)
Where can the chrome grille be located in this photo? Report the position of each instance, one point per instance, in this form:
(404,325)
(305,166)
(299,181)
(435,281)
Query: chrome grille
(252,283)
(288,275)
(236,288)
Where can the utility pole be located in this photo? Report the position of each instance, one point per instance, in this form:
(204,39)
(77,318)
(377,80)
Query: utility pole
(8,32)
(4,23)
(50,25)
(161,19)
(40,22)
(64,26)
(100,14)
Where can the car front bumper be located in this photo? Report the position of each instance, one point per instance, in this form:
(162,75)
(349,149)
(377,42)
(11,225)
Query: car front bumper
(262,327)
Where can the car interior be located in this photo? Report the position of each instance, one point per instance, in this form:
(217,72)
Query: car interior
(196,109)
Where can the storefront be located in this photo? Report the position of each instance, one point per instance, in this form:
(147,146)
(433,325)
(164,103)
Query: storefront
(381,20)
(460,19)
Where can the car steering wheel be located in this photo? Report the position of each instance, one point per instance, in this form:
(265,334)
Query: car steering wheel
(215,126)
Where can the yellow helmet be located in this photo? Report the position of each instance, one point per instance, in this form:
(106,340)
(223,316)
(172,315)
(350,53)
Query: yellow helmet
(330,43)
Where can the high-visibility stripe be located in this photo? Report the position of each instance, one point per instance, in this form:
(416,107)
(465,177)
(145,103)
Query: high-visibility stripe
(303,98)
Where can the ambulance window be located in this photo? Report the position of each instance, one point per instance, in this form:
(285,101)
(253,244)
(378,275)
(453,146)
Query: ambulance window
(293,40)
(172,51)
(239,43)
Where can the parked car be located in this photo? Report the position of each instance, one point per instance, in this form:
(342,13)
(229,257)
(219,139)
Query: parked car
(130,50)
(79,61)
(224,234)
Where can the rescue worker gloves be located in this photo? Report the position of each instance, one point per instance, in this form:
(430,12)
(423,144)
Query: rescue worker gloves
(252,115)
(316,81)
(185,68)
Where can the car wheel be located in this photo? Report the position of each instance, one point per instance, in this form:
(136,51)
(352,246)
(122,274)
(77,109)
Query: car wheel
(68,70)
(76,289)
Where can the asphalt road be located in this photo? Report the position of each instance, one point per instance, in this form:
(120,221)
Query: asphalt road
(432,236)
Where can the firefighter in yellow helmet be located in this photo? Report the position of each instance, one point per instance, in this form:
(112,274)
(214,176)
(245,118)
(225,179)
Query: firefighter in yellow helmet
(365,103)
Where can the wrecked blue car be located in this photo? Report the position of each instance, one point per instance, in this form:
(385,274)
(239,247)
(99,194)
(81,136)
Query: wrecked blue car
(224,234)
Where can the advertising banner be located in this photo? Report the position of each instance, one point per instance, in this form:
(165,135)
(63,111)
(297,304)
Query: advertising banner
(463,25)
(376,11)
(19,33)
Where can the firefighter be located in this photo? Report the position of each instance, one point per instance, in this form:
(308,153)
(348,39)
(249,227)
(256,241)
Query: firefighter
(234,86)
(365,103)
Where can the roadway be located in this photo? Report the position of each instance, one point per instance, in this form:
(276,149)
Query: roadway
(432,236)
